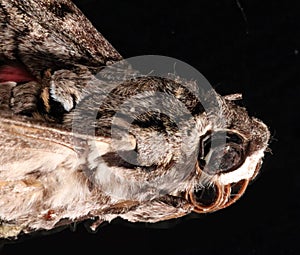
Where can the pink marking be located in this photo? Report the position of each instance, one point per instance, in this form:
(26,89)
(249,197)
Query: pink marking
(15,73)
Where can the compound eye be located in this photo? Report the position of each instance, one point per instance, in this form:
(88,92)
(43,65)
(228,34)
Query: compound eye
(221,152)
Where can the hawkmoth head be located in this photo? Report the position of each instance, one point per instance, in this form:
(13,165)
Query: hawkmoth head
(101,138)
(162,138)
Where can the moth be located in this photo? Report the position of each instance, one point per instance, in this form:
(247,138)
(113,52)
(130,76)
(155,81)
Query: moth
(76,145)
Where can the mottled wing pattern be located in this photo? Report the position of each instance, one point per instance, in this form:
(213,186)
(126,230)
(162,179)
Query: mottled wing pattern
(51,34)
(54,46)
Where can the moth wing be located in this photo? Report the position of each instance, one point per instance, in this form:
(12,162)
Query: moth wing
(54,42)
(45,34)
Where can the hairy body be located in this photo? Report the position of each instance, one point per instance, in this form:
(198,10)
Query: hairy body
(76,145)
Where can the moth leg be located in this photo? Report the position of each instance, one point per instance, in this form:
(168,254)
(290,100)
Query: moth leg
(5,94)
(25,98)
(19,98)
(69,87)
(31,99)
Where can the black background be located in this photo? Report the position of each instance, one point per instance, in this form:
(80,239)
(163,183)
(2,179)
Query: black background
(256,53)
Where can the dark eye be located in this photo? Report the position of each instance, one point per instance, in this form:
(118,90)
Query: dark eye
(221,152)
